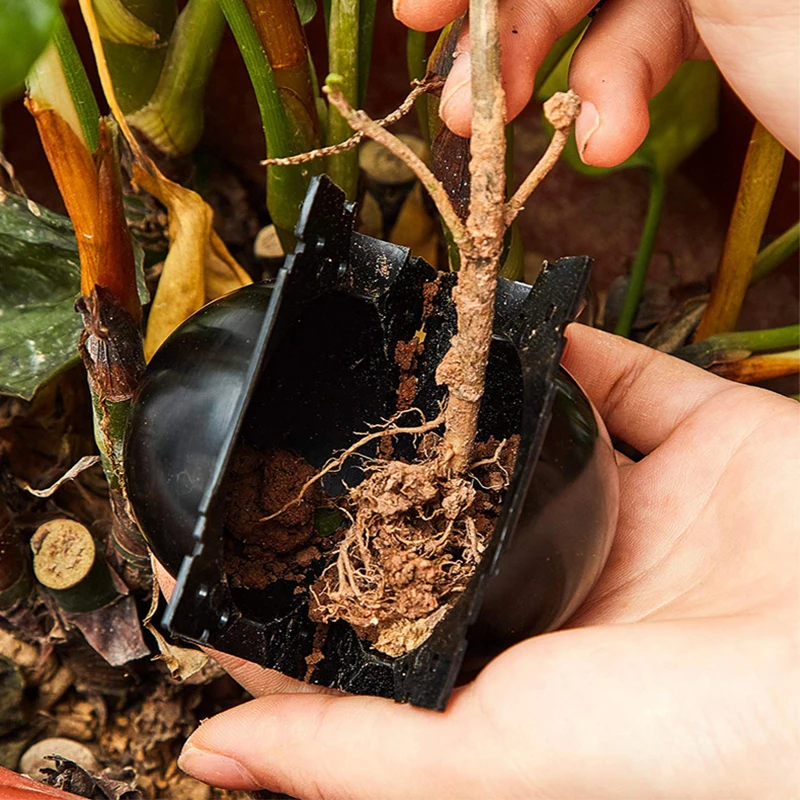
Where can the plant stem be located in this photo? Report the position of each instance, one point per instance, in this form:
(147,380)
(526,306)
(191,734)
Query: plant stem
(760,368)
(343,60)
(776,252)
(80,89)
(69,562)
(278,26)
(561,111)
(463,369)
(716,348)
(135,34)
(172,120)
(286,186)
(366,29)
(417,60)
(112,352)
(360,122)
(644,254)
(760,174)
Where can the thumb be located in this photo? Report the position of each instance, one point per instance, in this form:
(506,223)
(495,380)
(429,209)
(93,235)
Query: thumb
(322,746)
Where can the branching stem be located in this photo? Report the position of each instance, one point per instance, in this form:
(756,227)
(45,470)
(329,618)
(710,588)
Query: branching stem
(420,87)
(561,110)
(360,122)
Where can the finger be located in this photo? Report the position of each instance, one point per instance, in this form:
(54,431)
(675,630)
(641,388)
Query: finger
(766,79)
(330,747)
(528,29)
(642,395)
(423,15)
(257,680)
(628,54)
(622,460)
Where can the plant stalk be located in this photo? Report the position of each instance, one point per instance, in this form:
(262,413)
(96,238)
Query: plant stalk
(760,174)
(286,185)
(172,119)
(776,252)
(69,562)
(280,32)
(80,90)
(343,61)
(760,368)
(644,254)
(463,369)
(719,347)
(135,34)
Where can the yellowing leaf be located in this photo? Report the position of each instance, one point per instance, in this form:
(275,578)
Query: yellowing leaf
(198,267)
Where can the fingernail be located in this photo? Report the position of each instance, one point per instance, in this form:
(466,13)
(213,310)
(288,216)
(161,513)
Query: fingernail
(587,123)
(457,88)
(216,769)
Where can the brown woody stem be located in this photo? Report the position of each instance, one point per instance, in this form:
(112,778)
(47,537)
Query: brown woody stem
(420,88)
(360,122)
(561,111)
(463,368)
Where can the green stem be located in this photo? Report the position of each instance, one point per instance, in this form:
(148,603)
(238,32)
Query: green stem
(343,60)
(366,29)
(286,186)
(641,263)
(417,60)
(78,82)
(173,118)
(719,347)
(776,252)
(135,34)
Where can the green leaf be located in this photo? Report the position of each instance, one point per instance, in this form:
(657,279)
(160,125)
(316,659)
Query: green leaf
(25,29)
(39,282)
(682,116)
(306,9)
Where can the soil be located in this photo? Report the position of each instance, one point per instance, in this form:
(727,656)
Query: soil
(413,543)
(258,551)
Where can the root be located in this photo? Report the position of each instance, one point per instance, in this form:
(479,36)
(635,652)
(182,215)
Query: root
(416,536)
(428,84)
(387,429)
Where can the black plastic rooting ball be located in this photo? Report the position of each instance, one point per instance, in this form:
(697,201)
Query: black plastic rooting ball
(304,364)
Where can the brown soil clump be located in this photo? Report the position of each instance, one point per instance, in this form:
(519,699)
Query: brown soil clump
(405,356)
(258,551)
(416,537)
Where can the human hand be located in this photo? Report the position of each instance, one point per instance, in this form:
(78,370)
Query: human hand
(679,674)
(631,50)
